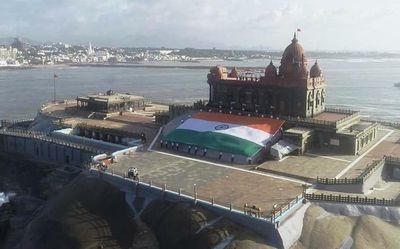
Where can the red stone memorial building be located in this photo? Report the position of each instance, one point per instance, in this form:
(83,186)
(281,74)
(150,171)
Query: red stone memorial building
(293,90)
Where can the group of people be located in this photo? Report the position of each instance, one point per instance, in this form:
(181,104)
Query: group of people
(194,149)
(173,146)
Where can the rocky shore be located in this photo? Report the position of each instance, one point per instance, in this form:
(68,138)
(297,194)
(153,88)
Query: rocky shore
(54,208)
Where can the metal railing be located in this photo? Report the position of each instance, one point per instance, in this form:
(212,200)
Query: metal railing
(7,123)
(357,180)
(42,136)
(385,123)
(392,160)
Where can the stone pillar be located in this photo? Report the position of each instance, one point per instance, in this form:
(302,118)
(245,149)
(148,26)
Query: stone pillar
(248,99)
(212,92)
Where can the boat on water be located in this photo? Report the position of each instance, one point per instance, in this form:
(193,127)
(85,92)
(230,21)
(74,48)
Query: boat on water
(397,84)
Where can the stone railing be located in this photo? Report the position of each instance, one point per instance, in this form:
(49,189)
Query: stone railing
(385,123)
(340,111)
(309,121)
(392,160)
(351,199)
(336,181)
(42,136)
(7,123)
(357,180)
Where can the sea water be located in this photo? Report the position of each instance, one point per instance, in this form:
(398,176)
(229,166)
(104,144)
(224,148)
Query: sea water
(3,198)
(358,84)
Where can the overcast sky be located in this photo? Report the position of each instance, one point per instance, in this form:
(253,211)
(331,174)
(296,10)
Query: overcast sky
(247,24)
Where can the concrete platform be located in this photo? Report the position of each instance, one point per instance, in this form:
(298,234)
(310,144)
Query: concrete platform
(226,184)
(306,166)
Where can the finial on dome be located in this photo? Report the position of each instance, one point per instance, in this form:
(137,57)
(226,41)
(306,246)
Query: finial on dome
(294,38)
(271,63)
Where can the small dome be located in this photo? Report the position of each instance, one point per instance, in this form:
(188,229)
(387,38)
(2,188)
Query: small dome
(270,71)
(218,72)
(234,73)
(221,70)
(293,57)
(315,70)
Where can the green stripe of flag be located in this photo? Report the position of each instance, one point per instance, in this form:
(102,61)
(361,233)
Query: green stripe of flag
(215,141)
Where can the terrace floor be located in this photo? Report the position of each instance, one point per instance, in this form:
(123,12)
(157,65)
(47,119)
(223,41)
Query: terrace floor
(330,116)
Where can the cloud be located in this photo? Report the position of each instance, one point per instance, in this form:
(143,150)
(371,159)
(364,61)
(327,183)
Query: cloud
(336,25)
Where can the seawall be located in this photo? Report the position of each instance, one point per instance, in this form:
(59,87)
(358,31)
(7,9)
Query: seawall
(261,226)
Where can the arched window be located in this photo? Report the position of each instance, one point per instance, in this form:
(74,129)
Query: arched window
(318,99)
(309,101)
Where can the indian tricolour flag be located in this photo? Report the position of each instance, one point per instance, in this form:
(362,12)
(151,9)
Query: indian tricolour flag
(233,134)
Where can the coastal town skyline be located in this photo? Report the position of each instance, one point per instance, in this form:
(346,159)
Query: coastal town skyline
(258,26)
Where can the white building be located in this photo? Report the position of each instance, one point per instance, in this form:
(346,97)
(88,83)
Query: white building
(8,56)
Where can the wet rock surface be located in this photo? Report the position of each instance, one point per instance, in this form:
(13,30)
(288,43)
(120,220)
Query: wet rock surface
(184,225)
(88,213)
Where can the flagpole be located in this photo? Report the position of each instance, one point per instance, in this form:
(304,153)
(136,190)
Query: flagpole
(297,32)
(54,88)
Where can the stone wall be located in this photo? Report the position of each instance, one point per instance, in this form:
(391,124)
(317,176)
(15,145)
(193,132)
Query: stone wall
(44,150)
(259,225)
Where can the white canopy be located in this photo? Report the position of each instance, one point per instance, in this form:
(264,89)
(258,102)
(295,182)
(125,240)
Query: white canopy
(282,148)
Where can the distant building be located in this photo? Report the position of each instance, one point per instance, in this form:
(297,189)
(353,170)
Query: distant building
(110,102)
(8,56)
(90,49)
(102,56)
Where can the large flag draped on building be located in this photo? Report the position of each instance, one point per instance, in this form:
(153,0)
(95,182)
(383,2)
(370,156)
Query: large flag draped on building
(233,134)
